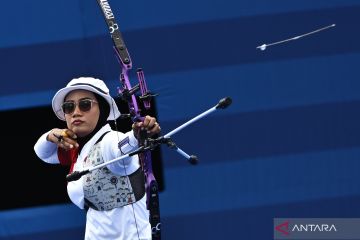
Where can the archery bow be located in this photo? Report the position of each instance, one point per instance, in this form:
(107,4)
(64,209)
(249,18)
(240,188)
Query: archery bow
(146,144)
(128,94)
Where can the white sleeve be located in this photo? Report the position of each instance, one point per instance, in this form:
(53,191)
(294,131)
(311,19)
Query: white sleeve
(46,150)
(128,143)
(109,144)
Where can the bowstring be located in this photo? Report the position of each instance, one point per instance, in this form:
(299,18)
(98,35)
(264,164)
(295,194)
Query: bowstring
(127,182)
(118,140)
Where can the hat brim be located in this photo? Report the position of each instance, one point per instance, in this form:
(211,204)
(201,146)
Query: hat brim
(60,95)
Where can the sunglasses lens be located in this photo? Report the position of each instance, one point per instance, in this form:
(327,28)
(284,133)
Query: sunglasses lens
(85,105)
(68,107)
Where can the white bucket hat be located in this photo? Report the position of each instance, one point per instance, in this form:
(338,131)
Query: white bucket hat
(86,83)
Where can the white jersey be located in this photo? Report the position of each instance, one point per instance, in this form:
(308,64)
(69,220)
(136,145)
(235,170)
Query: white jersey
(118,223)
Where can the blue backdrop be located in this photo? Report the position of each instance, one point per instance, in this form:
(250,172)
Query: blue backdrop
(287,147)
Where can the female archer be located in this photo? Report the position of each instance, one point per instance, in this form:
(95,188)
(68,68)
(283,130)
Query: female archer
(113,196)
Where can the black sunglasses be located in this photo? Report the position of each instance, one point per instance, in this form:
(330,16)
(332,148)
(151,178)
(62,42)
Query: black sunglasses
(85,105)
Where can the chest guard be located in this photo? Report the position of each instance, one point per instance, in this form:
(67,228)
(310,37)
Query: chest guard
(103,190)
